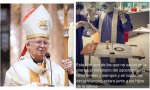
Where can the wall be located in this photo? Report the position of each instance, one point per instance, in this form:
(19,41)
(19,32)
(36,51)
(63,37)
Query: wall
(139,19)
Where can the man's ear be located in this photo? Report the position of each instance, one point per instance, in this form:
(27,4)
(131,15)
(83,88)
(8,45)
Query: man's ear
(28,45)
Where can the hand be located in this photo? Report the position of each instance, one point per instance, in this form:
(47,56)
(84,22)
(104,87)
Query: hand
(91,28)
(80,24)
(68,66)
(122,16)
(121,12)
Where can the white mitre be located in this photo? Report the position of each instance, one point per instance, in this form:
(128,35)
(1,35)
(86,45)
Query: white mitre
(38,24)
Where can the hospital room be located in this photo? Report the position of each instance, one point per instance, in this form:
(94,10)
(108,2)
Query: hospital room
(108,59)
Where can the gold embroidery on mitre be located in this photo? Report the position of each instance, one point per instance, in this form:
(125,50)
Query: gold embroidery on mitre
(43,24)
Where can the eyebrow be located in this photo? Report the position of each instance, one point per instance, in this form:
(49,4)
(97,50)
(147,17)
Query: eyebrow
(40,39)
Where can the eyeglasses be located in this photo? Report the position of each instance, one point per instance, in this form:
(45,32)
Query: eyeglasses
(39,42)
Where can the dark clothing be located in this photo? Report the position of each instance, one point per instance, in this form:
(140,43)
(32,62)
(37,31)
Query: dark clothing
(106,35)
(79,44)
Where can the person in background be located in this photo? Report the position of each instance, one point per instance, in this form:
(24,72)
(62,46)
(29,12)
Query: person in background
(105,24)
(80,31)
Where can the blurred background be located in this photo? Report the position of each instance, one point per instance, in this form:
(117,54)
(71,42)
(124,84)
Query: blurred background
(13,37)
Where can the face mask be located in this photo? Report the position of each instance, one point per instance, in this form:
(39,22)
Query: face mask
(97,12)
(78,11)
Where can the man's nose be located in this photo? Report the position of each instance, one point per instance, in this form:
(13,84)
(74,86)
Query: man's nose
(42,44)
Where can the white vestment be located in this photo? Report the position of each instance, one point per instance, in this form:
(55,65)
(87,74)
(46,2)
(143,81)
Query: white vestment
(18,74)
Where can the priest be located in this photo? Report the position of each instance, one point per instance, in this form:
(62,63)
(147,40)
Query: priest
(35,68)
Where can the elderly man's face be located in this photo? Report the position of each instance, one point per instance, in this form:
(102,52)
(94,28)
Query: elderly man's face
(37,47)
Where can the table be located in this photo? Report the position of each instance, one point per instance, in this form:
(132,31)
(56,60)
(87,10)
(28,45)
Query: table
(142,30)
(99,50)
